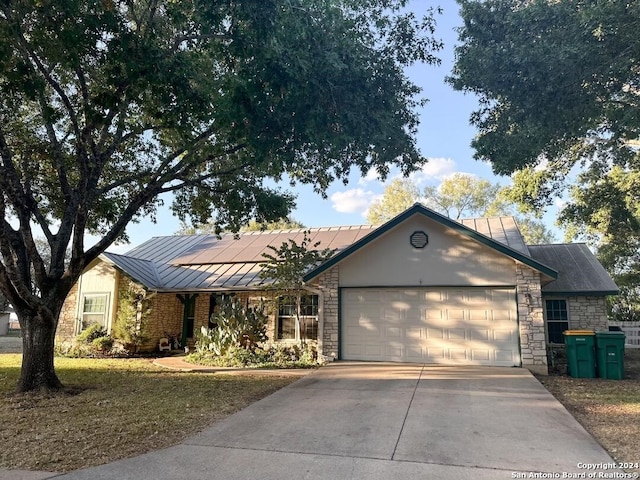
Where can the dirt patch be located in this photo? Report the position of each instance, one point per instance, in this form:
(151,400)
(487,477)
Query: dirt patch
(608,409)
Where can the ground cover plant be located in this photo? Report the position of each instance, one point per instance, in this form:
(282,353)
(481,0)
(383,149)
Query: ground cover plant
(608,409)
(120,408)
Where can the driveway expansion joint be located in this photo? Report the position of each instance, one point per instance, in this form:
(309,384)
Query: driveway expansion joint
(406,414)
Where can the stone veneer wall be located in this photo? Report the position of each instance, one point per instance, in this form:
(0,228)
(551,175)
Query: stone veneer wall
(533,344)
(587,313)
(68,316)
(328,283)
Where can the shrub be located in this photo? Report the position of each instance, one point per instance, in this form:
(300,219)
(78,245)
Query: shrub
(273,356)
(131,317)
(89,334)
(102,344)
(239,327)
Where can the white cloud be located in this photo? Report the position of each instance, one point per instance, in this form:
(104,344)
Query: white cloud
(356,200)
(371,176)
(435,169)
(560,203)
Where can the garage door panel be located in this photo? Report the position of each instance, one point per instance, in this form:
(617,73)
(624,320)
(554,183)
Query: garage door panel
(458,356)
(479,315)
(433,315)
(454,314)
(481,355)
(507,315)
(415,353)
(505,356)
(435,333)
(431,325)
(435,355)
(456,334)
(393,332)
(415,333)
(480,335)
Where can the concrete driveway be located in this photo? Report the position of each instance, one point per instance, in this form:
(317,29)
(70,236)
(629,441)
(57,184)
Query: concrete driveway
(381,421)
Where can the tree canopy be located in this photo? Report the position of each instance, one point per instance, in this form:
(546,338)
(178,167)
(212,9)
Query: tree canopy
(252,226)
(557,81)
(107,105)
(458,196)
(399,195)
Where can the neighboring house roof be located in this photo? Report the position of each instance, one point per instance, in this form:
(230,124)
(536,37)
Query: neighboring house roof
(579,271)
(490,226)
(208,262)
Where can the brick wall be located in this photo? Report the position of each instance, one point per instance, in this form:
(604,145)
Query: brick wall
(531,316)
(167,314)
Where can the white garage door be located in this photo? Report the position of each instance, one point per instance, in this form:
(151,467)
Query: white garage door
(468,326)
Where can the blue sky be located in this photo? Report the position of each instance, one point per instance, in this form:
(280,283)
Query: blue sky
(444,137)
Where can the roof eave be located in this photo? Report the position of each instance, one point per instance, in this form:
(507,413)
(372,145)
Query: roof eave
(122,270)
(581,293)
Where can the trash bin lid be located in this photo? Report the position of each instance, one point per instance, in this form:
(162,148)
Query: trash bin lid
(606,333)
(578,332)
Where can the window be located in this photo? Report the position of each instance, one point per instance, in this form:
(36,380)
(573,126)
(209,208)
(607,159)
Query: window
(308,318)
(557,320)
(94,310)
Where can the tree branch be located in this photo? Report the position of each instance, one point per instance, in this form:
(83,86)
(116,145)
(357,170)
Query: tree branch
(33,58)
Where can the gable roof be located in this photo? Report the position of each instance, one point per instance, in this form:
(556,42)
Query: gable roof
(418,209)
(208,262)
(580,272)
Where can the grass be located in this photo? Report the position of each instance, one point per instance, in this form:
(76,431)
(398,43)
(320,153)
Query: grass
(114,409)
(608,409)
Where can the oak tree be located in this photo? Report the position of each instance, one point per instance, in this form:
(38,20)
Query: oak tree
(106,105)
(458,196)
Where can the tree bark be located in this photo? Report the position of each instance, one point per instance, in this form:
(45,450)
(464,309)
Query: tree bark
(37,355)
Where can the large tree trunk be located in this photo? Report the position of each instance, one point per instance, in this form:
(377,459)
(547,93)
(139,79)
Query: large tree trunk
(37,355)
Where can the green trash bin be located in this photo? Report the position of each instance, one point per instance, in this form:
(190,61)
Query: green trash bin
(610,354)
(581,360)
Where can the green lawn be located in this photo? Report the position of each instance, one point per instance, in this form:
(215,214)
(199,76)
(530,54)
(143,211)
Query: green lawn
(117,408)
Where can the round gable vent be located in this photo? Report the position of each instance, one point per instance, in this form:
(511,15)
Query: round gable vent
(419,239)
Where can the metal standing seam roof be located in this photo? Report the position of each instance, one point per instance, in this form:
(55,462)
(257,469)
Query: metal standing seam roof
(579,271)
(209,262)
(501,229)
(141,270)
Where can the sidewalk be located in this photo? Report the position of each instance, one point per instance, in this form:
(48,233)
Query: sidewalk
(26,475)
